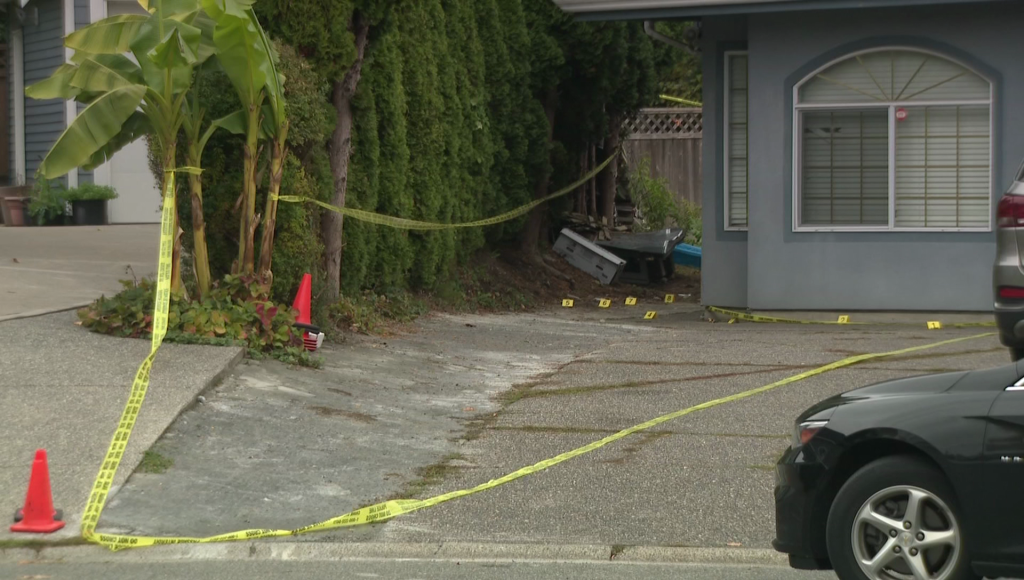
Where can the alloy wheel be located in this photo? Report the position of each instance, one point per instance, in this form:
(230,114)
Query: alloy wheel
(906,533)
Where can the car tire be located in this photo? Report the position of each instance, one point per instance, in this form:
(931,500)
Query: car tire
(886,481)
(1016,353)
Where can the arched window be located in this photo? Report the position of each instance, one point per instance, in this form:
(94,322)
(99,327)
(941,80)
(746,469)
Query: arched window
(893,139)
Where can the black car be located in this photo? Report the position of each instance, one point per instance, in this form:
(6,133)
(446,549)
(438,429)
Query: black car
(920,478)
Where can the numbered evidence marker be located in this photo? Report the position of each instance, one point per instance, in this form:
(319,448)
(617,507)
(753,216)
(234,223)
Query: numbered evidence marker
(844,319)
(934,325)
(670,298)
(604,303)
(631,301)
(651,315)
(567,303)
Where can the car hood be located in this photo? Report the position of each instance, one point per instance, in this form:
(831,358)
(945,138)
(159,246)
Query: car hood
(993,379)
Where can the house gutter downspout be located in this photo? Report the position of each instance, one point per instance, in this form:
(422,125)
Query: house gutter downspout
(650,31)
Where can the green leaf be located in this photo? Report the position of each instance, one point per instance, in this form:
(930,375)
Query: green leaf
(136,126)
(234,123)
(168,8)
(218,8)
(177,49)
(93,128)
(113,35)
(146,43)
(106,72)
(57,86)
(242,52)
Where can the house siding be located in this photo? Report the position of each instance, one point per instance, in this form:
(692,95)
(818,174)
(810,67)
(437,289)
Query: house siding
(81,20)
(724,267)
(44,52)
(868,271)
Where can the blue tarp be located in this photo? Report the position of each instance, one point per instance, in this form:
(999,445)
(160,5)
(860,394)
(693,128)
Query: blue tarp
(687,255)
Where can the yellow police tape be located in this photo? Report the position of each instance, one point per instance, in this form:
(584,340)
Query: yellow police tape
(843,320)
(384,511)
(408,224)
(105,477)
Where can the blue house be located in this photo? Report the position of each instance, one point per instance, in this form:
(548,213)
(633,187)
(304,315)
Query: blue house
(854,151)
(35,50)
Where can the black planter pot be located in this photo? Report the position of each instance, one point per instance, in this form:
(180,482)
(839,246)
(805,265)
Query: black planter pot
(89,212)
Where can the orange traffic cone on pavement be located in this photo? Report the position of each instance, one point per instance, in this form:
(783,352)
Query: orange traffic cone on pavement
(312,338)
(38,515)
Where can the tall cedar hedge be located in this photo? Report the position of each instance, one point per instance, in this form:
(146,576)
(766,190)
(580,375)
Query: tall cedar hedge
(449,125)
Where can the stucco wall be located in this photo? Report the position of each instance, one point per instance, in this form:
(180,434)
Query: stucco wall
(861,271)
(724,263)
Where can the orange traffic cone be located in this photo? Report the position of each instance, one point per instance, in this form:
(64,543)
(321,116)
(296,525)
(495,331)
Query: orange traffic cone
(302,299)
(312,338)
(38,515)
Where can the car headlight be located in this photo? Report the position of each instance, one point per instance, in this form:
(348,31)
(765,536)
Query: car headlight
(806,430)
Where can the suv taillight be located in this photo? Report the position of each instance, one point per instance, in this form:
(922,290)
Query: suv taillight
(1010,213)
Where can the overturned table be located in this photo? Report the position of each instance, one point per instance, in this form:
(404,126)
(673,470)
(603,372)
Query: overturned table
(648,255)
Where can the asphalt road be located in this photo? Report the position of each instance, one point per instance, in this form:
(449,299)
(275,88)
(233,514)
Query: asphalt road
(396,570)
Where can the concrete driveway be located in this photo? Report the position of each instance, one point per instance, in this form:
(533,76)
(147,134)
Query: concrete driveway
(465,399)
(57,268)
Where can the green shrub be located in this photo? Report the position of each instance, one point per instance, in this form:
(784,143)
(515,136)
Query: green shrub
(657,205)
(49,200)
(235,312)
(91,191)
(370,312)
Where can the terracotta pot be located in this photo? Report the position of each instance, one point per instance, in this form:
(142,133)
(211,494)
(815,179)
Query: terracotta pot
(16,210)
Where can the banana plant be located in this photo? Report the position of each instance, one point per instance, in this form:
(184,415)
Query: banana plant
(128,97)
(248,58)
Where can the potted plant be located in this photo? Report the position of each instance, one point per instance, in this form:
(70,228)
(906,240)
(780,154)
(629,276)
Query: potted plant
(89,203)
(48,206)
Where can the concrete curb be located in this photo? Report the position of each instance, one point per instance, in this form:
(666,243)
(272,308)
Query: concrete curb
(460,551)
(43,312)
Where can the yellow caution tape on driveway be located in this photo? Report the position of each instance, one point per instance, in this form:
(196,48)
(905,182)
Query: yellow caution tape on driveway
(843,320)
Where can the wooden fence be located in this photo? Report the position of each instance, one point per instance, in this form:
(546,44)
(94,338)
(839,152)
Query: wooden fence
(671,138)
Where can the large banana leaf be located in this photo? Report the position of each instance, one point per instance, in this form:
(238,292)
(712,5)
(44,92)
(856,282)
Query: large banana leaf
(168,8)
(243,54)
(176,50)
(57,86)
(275,80)
(150,36)
(218,8)
(136,126)
(91,130)
(106,72)
(113,35)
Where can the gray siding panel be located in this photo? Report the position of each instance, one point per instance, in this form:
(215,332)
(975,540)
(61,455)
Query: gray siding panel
(81,20)
(44,52)
(81,13)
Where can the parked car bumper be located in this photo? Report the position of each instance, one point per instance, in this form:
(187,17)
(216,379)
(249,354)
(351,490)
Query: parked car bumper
(799,485)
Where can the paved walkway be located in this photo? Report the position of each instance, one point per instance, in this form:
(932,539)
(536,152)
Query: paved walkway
(62,388)
(56,268)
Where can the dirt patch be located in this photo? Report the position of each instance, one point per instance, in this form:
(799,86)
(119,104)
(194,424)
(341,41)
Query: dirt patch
(332,412)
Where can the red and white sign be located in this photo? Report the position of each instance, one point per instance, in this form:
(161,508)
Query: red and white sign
(901,114)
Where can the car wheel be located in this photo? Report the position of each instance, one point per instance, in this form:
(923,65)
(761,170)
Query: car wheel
(1016,353)
(896,519)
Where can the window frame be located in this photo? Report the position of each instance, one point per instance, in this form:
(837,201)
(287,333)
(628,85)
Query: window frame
(892,106)
(726,142)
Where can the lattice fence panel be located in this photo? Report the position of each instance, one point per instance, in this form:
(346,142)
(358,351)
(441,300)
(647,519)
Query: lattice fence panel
(666,123)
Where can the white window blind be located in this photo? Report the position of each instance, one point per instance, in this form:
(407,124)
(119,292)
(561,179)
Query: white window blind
(846,167)
(894,139)
(736,140)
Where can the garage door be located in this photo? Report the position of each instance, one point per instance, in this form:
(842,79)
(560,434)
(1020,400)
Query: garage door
(138,192)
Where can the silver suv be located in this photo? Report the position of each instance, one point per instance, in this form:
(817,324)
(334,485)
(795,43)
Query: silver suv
(1008,274)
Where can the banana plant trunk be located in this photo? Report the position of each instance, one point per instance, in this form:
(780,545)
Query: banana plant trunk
(170,167)
(200,254)
(249,219)
(277,157)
